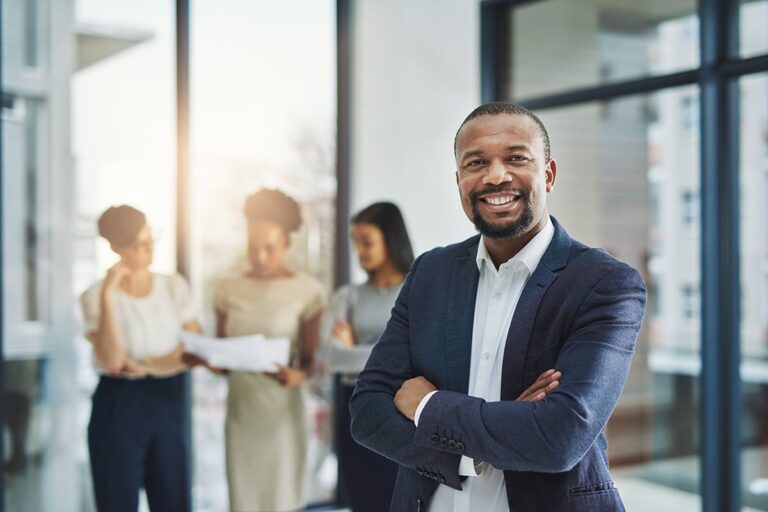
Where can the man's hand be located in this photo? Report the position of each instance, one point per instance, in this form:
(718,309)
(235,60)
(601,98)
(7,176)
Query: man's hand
(410,394)
(544,385)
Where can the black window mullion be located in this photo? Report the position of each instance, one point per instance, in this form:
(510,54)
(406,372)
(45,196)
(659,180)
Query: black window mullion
(182,36)
(2,267)
(737,68)
(720,346)
(344,97)
(611,91)
(493,50)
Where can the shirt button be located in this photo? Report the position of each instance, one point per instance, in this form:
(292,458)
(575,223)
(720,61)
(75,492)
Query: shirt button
(486,355)
(497,296)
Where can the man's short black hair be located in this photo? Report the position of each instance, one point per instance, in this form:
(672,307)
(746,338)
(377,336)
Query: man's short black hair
(503,107)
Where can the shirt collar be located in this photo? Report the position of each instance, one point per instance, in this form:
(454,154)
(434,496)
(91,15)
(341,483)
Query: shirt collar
(529,256)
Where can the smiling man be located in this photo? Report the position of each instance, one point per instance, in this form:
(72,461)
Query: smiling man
(477,322)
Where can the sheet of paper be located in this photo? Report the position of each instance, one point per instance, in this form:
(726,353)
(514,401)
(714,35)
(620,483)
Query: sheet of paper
(254,353)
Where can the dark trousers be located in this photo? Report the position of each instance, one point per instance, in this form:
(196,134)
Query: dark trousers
(368,479)
(137,438)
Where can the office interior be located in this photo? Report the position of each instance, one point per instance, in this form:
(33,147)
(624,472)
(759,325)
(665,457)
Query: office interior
(658,116)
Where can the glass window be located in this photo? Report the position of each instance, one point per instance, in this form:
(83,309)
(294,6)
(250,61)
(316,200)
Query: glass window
(31,33)
(123,109)
(691,211)
(263,114)
(32,222)
(23,123)
(753,25)
(754,290)
(37,333)
(617,174)
(559,45)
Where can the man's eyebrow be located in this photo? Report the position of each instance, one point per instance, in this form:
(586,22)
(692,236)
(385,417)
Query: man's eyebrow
(474,152)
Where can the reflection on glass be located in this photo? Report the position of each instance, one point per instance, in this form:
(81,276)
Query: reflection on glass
(628,181)
(754,286)
(31,218)
(558,45)
(27,431)
(28,437)
(31,22)
(753,28)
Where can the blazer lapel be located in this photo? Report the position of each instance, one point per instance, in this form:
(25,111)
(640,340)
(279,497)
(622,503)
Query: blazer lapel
(460,321)
(519,336)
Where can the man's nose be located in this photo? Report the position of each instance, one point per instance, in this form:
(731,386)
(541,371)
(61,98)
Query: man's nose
(497,173)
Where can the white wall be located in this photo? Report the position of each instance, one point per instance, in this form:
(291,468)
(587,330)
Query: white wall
(415,76)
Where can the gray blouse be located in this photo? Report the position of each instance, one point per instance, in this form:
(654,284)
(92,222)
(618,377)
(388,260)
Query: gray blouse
(367,309)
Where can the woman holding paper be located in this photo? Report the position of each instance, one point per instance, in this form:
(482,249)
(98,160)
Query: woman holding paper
(133,318)
(356,317)
(266,425)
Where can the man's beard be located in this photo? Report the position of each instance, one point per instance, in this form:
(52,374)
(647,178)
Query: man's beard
(511,230)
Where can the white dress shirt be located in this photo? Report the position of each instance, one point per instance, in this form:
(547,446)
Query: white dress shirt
(497,294)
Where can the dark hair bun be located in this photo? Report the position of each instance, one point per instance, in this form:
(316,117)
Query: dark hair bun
(120,225)
(273,206)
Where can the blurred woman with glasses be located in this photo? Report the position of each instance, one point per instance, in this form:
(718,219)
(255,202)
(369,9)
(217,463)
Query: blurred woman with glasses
(133,317)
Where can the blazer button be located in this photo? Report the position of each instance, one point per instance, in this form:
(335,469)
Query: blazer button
(419,505)
(460,447)
(451,444)
(443,442)
(435,439)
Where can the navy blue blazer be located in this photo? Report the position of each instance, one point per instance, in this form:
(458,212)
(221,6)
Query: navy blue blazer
(579,312)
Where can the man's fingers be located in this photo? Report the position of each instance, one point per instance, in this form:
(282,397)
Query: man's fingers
(546,382)
(544,376)
(540,395)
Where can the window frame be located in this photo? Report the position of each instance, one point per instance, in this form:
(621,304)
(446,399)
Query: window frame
(717,76)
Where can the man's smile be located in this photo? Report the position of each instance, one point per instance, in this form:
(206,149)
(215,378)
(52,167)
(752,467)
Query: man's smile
(498,202)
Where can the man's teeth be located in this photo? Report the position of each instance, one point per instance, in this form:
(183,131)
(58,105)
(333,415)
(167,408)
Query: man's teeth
(500,200)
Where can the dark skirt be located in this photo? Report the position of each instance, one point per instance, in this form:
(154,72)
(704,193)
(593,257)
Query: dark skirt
(138,437)
(367,478)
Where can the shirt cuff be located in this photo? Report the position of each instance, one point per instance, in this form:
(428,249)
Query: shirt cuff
(421,406)
(468,467)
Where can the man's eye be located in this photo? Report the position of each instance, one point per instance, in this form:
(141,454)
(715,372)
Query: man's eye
(474,163)
(519,158)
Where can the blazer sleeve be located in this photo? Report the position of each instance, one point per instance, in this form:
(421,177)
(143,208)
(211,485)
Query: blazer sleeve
(553,435)
(376,423)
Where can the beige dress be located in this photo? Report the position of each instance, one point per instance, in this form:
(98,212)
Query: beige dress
(266,424)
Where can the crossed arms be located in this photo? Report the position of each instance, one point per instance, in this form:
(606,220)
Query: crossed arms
(549,435)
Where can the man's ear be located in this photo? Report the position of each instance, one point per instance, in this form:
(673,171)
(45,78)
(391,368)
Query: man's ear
(551,174)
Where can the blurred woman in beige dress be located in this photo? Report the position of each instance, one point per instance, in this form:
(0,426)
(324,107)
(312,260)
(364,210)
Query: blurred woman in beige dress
(266,423)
